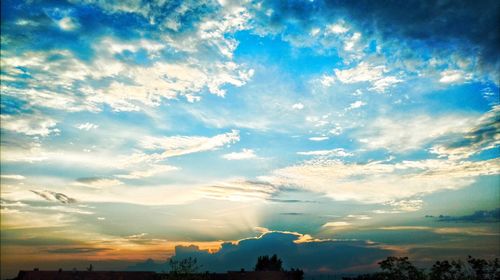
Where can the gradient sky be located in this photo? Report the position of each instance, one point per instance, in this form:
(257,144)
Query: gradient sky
(333,133)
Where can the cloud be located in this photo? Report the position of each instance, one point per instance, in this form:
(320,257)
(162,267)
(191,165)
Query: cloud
(29,124)
(453,76)
(356,105)
(339,152)
(420,31)
(484,135)
(395,184)
(182,145)
(244,154)
(150,171)
(295,249)
(51,196)
(240,190)
(98,182)
(60,74)
(67,24)
(481,216)
(413,133)
(298,106)
(364,72)
(337,224)
(77,250)
(87,126)
(12,177)
(319,138)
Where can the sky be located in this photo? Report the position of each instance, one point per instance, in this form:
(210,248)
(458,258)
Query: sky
(332,133)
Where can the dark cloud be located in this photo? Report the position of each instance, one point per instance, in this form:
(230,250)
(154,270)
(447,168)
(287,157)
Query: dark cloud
(481,216)
(89,180)
(470,27)
(51,196)
(76,250)
(312,256)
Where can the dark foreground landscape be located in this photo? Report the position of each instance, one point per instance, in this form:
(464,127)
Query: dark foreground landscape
(270,268)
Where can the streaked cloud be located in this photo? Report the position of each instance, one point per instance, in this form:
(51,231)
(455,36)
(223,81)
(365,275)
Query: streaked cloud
(244,154)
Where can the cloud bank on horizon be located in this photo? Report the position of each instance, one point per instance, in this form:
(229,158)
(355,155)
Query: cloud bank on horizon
(145,126)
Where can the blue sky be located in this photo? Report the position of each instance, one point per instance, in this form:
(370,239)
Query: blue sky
(228,129)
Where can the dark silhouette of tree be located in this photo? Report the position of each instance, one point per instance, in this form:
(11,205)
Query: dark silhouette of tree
(299,273)
(401,269)
(90,268)
(183,269)
(266,263)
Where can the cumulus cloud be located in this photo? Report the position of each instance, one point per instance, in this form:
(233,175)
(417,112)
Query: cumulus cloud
(244,154)
(66,78)
(295,249)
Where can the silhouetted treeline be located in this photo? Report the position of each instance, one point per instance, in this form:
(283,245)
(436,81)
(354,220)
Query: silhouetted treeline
(400,268)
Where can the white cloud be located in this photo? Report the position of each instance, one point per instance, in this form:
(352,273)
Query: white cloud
(483,135)
(337,28)
(244,154)
(327,80)
(376,182)
(87,126)
(364,72)
(31,125)
(412,133)
(12,177)
(239,190)
(334,152)
(298,106)
(356,104)
(337,224)
(182,145)
(98,182)
(383,84)
(151,170)
(350,43)
(359,217)
(454,76)
(67,24)
(319,138)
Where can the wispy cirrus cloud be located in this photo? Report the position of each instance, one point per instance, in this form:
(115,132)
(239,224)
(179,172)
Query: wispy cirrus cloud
(182,145)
